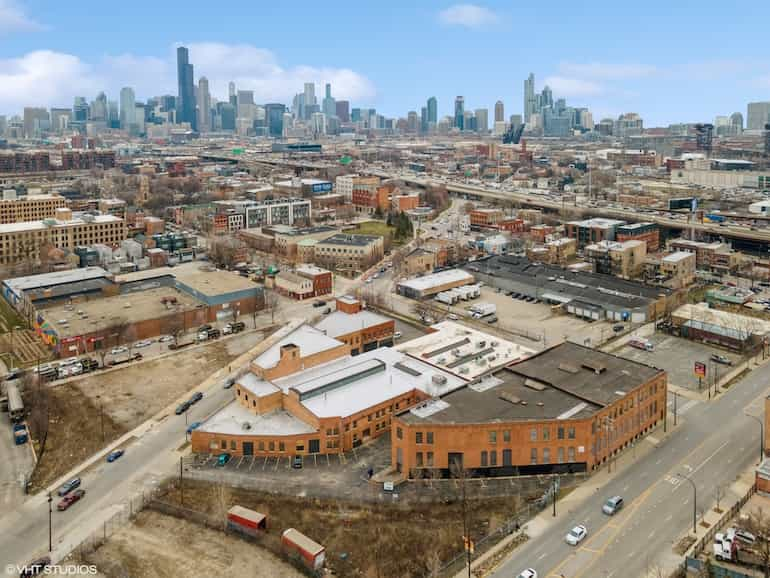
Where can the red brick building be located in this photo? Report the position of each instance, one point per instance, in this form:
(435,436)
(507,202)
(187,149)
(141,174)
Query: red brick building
(321,278)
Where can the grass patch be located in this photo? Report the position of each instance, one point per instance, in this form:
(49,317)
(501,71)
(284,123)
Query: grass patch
(376,228)
(9,318)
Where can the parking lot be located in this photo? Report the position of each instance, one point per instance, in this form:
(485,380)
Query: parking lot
(341,475)
(678,355)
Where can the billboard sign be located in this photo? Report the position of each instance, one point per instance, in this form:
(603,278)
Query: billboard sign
(700,369)
(325,187)
(684,203)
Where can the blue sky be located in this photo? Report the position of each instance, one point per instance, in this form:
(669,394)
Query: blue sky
(674,61)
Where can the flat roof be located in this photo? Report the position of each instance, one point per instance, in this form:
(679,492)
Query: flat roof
(567,381)
(310,269)
(463,351)
(570,283)
(104,312)
(339,323)
(209,280)
(598,222)
(350,239)
(350,385)
(633,226)
(678,256)
(438,279)
(702,313)
(23,226)
(20,284)
(234,419)
(309,340)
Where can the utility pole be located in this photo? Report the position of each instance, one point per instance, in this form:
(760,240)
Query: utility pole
(694,502)
(553,488)
(50,524)
(181,482)
(761,435)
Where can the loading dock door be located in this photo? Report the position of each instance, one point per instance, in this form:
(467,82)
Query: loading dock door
(248,448)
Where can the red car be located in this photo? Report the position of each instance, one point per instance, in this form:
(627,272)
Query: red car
(70,499)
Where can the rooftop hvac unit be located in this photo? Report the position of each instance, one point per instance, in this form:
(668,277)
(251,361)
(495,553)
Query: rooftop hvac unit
(481,344)
(494,343)
(456,352)
(464,370)
(441,360)
(246,425)
(439,379)
(491,358)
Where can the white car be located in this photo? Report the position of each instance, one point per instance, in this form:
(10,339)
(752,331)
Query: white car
(452,317)
(397,334)
(165,338)
(576,535)
(118,350)
(143,343)
(528,573)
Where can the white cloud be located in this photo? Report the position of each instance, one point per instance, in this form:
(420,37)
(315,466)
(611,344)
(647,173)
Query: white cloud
(565,86)
(468,15)
(13,18)
(607,71)
(47,78)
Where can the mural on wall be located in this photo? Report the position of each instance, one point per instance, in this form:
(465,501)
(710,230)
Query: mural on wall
(45,331)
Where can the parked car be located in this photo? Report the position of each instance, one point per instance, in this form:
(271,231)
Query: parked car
(69,486)
(119,350)
(452,316)
(576,535)
(397,335)
(205,327)
(114,455)
(617,328)
(528,573)
(723,359)
(319,303)
(327,310)
(296,463)
(222,460)
(193,426)
(182,407)
(196,397)
(165,338)
(229,382)
(70,499)
(613,505)
(143,343)
(35,567)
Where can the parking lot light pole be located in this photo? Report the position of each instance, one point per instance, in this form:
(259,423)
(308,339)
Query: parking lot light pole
(761,434)
(694,501)
(50,524)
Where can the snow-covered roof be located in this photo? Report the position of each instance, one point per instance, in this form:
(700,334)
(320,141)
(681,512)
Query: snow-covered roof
(309,340)
(341,323)
(234,419)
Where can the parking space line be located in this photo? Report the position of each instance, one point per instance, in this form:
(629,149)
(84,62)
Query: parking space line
(240,462)
(264,465)
(253,461)
(277,462)
(328,463)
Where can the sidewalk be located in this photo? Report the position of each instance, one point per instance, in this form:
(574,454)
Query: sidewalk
(544,520)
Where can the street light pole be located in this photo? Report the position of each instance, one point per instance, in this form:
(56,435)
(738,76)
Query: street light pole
(761,435)
(694,501)
(50,524)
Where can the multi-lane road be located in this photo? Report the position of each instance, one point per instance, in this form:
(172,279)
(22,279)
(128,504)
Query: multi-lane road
(713,444)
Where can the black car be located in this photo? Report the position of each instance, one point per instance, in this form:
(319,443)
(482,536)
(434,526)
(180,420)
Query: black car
(196,397)
(319,303)
(182,407)
(617,328)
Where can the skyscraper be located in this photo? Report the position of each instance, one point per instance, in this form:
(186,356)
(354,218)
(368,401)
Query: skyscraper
(758,115)
(186,101)
(204,105)
(99,108)
(80,110)
(274,119)
(459,112)
(736,122)
(309,99)
(232,94)
(482,120)
(530,105)
(342,110)
(329,107)
(432,111)
(424,120)
(499,111)
(127,108)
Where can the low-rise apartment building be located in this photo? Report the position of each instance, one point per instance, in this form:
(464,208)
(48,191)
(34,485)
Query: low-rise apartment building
(15,209)
(349,254)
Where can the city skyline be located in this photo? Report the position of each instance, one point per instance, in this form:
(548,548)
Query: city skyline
(40,65)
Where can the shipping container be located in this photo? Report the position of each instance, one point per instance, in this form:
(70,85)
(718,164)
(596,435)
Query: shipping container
(243,520)
(311,553)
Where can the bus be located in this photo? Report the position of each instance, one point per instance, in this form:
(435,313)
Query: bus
(15,403)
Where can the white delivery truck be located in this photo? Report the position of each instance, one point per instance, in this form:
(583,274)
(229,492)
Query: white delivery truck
(482,310)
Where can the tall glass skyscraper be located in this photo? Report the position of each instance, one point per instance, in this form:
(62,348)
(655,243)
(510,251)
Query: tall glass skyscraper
(186,101)
(460,112)
(530,102)
(432,110)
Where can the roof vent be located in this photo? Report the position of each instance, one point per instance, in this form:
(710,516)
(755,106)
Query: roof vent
(507,396)
(596,366)
(568,367)
(534,384)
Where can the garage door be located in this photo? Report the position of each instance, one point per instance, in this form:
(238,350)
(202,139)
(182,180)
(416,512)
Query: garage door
(638,317)
(248,448)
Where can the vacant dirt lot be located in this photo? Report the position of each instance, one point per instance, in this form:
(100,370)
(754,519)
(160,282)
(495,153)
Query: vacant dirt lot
(160,546)
(361,540)
(128,396)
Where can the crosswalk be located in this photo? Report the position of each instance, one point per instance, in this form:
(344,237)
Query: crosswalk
(683,408)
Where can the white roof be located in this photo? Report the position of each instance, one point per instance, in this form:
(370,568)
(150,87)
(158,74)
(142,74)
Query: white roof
(233,417)
(55,278)
(701,313)
(41,225)
(678,256)
(341,323)
(253,384)
(437,279)
(310,269)
(309,340)
(352,384)
(459,343)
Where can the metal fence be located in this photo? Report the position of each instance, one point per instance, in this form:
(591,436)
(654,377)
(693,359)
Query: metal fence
(708,537)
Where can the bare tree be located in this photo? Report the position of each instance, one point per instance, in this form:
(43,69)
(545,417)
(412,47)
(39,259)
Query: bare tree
(272,304)
(461,475)
(222,496)
(128,336)
(176,327)
(719,493)
(759,525)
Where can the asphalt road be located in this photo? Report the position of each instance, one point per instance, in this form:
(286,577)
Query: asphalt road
(108,486)
(659,504)
(16,465)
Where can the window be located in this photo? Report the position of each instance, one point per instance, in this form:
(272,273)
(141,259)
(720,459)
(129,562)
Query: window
(546,455)
(506,435)
(560,433)
(223,444)
(261,446)
(533,456)
(418,437)
(493,458)
(546,434)
(493,437)
(507,461)
(430,459)
(571,433)
(430,437)
(355,424)
(419,459)
(271,446)
(484,459)
(399,433)
(533,434)
(571,454)
(281,447)
(560,455)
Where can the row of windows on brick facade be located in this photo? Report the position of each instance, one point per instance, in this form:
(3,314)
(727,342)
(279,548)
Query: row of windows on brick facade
(492,436)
